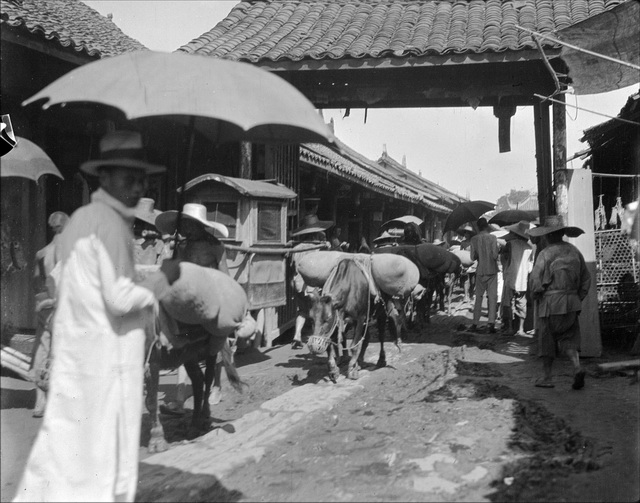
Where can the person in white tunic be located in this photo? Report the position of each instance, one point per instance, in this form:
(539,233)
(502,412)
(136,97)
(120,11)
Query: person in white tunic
(87,447)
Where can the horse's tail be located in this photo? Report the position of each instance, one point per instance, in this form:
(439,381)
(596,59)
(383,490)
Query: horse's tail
(230,367)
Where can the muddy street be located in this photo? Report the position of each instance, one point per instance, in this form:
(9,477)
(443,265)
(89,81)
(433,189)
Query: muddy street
(453,417)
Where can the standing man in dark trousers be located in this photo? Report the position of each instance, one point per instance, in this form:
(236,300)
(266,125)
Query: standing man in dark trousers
(559,282)
(484,249)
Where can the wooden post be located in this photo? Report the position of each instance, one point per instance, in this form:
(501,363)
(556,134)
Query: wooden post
(543,159)
(560,156)
(504,114)
(270,326)
(257,342)
(245,160)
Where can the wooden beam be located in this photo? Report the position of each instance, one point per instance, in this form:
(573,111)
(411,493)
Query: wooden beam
(543,159)
(491,84)
(310,65)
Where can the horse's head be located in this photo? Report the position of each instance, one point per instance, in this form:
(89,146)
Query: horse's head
(323,314)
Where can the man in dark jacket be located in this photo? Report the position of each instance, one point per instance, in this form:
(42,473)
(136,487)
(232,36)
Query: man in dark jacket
(558,283)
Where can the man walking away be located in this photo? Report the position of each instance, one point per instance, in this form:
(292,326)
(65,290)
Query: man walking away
(559,281)
(484,249)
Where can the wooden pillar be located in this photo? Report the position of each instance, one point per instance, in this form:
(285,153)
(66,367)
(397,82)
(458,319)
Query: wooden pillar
(560,156)
(245,160)
(543,159)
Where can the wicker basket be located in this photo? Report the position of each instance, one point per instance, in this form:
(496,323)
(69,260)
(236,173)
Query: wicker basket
(318,344)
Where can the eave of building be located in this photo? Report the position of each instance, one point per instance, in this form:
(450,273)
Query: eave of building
(322,157)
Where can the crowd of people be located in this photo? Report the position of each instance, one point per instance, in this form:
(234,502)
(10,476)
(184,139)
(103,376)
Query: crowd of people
(95,309)
(536,267)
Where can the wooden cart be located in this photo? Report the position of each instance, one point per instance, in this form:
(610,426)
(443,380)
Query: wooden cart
(255,212)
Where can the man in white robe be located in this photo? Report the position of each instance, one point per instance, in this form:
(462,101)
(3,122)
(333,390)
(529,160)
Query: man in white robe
(87,447)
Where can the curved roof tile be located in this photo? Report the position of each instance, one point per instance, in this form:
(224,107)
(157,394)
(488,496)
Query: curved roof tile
(351,165)
(71,23)
(285,30)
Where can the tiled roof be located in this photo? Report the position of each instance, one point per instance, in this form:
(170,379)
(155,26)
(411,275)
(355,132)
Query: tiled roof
(630,111)
(431,190)
(353,166)
(71,23)
(281,30)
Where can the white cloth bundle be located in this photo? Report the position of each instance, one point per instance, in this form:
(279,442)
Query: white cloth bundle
(207,297)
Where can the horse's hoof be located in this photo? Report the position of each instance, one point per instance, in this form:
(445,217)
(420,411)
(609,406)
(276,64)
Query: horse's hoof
(354,374)
(333,375)
(157,445)
(381,364)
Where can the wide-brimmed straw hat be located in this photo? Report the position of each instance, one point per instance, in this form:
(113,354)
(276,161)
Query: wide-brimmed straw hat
(520,229)
(167,221)
(554,223)
(384,237)
(466,228)
(439,242)
(121,149)
(146,211)
(311,224)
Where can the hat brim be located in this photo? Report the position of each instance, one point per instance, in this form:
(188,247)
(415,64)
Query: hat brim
(512,234)
(569,231)
(167,222)
(92,167)
(149,218)
(319,226)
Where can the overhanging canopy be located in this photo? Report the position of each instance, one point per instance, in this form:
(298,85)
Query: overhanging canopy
(614,33)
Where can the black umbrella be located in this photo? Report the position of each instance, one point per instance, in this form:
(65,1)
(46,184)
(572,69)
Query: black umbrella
(401,222)
(466,212)
(508,217)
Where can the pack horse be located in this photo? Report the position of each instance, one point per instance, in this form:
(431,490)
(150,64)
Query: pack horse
(213,307)
(358,288)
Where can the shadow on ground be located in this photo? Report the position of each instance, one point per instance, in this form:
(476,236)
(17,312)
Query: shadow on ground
(178,485)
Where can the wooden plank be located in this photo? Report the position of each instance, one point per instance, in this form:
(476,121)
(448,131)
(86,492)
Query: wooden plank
(624,365)
(15,364)
(17,354)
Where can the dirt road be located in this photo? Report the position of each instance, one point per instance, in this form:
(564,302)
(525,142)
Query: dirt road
(453,417)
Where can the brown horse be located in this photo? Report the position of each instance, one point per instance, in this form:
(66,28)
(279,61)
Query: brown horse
(433,262)
(348,299)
